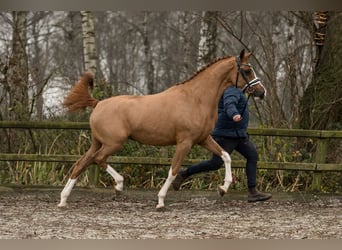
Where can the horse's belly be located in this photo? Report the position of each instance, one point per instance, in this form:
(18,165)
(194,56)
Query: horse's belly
(153,136)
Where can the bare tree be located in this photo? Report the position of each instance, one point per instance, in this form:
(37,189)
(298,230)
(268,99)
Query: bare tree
(187,22)
(148,62)
(39,53)
(321,105)
(15,97)
(89,48)
(66,45)
(17,73)
(208,36)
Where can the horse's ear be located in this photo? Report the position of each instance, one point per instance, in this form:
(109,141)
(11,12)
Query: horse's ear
(242,54)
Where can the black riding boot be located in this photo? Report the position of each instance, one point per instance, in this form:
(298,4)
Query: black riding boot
(180,178)
(254,195)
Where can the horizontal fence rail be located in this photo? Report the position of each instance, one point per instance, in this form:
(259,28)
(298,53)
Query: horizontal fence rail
(317,167)
(153,161)
(252,131)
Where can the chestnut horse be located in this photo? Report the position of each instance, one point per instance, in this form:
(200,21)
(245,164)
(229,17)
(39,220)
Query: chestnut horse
(182,115)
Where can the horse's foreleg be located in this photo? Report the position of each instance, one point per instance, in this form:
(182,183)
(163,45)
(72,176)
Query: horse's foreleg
(164,189)
(181,151)
(228,173)
(212,146)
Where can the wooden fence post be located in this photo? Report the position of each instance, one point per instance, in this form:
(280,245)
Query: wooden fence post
(94,171)
(320,156)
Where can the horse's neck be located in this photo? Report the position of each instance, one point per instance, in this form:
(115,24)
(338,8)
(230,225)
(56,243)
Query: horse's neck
(211,82)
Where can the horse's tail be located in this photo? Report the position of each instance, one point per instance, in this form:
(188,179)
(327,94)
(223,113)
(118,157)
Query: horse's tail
(79,96)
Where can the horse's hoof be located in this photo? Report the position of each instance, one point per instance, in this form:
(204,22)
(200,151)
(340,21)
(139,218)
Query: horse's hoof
(118,192)
(221,191)
(161,209)
(60,205)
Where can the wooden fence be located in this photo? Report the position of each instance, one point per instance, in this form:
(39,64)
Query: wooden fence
(317,166)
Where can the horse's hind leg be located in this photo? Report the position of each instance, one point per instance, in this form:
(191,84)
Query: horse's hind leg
(101,158)
(212,146)
(94,154)
(78,167)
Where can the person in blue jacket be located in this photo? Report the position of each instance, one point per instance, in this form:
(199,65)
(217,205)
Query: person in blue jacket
(230,133)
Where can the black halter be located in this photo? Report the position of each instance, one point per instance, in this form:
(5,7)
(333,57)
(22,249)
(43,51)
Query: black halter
(249,84)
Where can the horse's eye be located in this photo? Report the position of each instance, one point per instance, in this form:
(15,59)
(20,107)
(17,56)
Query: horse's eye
(248,71)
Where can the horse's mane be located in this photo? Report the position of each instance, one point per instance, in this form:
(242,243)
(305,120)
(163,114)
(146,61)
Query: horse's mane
(203,68)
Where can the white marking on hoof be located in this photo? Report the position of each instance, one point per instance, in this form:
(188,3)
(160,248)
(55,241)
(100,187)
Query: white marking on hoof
(161,209)
(163,190)
(62,204)
(66,192)
(160,206)
(221,191)
(117,177)
(119,187)
(228,173)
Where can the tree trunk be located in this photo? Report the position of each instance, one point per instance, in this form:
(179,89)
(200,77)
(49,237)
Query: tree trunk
(38,67)
(208,35)
(187,22)
(321,105)
(16,80)
(89,48)
(17,74)
(148,63)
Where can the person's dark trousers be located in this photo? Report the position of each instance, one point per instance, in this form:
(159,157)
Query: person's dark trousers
(242,145)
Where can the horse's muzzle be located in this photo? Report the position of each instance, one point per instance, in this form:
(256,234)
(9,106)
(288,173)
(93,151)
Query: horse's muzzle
(258,93)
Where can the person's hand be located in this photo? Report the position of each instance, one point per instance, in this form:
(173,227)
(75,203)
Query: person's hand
(237,118)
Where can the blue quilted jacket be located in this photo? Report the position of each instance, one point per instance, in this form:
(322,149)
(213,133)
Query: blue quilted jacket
(232,102)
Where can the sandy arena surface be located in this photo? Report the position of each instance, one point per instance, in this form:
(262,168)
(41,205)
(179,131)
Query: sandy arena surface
(32,213)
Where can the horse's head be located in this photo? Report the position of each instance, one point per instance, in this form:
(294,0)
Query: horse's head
(246,78)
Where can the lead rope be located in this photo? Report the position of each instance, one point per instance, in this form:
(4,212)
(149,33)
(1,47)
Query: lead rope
(244,108)
(243,91)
